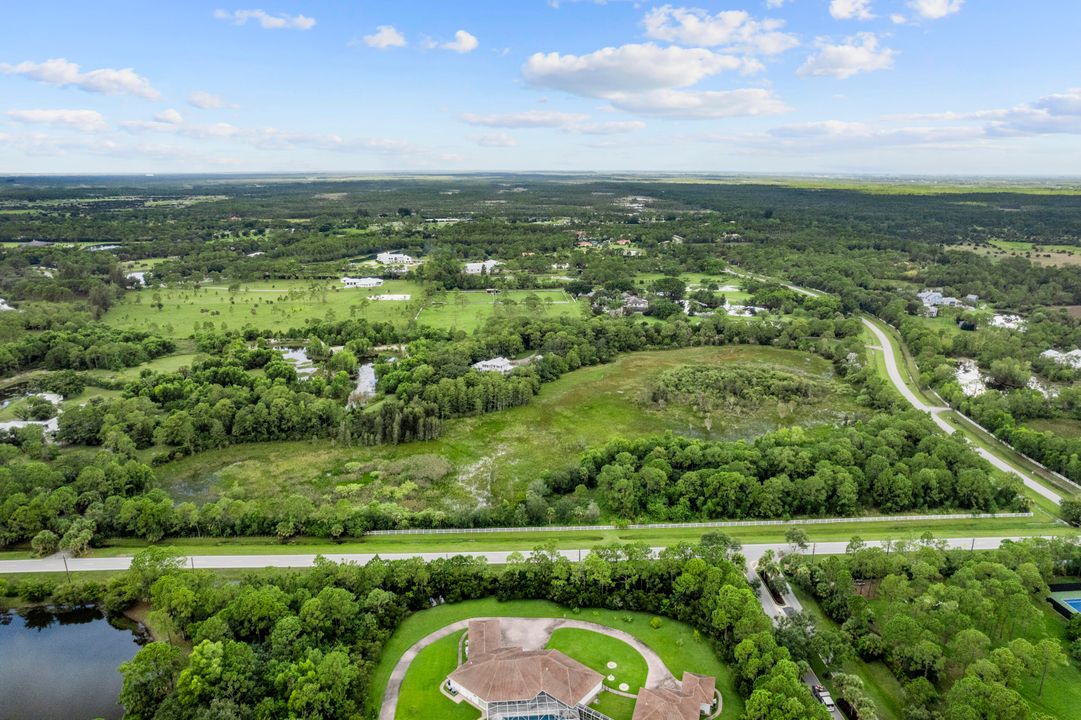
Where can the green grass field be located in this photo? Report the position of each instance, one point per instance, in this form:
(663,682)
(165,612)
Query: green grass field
(498,454)
(275,305)
(595,651)
(420,695)
(469,310)
(676,644)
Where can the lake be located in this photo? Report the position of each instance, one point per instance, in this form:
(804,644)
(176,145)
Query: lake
(62,665)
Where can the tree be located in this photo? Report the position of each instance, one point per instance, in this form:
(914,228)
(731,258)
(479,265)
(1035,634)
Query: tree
(1046,654)
(796,537)
(45,543)
(77,539)
(149,678)
(1071,510)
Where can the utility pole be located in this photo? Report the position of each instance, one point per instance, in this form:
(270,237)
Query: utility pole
(66,571)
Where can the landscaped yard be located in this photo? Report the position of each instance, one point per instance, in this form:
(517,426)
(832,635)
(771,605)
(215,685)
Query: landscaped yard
(596,651)
(678,645)
(420,696)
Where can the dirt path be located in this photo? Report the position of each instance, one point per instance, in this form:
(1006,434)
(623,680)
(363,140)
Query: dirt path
(531,634)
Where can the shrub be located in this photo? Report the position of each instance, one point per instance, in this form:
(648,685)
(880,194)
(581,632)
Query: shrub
(656,623)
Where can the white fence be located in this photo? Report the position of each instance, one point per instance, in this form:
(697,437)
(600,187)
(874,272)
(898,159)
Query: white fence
(712,524)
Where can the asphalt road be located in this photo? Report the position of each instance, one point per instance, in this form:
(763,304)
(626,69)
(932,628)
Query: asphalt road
(55,564)
(897,379)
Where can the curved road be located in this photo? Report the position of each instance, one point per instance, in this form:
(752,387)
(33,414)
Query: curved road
(894,372)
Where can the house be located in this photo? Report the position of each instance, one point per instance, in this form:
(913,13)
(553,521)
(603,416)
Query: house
(364,282)
(633,303)
(476,268)
(393,258)
(694,698)
(503,681)
(496,364)
(972,299)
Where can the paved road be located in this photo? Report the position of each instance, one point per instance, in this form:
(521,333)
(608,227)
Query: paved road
(55,564)
(898,381)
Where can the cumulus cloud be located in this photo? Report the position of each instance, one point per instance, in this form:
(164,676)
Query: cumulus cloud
(935,9)
(496,140)
(628,68)
(84,120)
(265,20)
(851,9)
(62,73)
(568,122)
(170,115)
(731,28)
(858,54)
(463,42)
(385,37)
(705,104)
(205,100)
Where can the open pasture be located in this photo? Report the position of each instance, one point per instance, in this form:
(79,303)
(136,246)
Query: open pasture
(276,305)
(469,310)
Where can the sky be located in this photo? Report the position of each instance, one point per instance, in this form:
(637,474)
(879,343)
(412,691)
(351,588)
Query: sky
(906,87)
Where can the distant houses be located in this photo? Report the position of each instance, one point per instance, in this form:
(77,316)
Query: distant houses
(364,282)
(934,299)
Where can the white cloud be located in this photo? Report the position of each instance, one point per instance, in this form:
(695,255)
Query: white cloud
(205,100)
(851,9)
(496,140)
(568,122)
(526,119)
(935,9)
(898,19)
(857,54)
(169,116)
(774,3)
(732,28)
(384,37)
(628,68)
(266,20)
(84,120)
(62,73)
(704,104)
(847,134)
(463,42)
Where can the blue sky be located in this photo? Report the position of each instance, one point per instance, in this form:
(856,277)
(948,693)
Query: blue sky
(985,87)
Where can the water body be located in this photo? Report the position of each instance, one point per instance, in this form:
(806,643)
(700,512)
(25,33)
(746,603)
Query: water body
(62,665)
(365,381)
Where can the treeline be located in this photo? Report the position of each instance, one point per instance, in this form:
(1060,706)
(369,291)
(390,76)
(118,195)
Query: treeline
(86,347)
(709,388)
(964,632)
(891,463)
(306,644)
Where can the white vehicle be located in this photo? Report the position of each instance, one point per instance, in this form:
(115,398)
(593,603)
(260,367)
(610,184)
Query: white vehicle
(823,696)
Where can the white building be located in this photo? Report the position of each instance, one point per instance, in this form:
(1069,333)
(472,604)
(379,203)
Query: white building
(476,268)
(364,282)
(393,258)
(496,364)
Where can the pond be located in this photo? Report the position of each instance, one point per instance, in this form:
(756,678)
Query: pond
(63,665)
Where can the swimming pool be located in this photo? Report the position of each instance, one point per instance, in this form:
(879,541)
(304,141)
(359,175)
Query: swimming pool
(1074,604)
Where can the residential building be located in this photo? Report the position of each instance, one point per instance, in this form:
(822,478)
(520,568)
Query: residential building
(393,258)
(496,364)
(364,282)
(695,697)
(503,681)
(476,268)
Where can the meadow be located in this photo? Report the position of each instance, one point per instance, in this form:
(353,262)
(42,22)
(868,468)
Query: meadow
(496,455)
(275,305)
(469,310)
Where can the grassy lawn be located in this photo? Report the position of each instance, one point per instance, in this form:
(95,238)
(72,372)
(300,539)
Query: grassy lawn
(420,695)
(496,455)
(674,642)
(616,707)
(879,682)
(469,310)
(526,541)
(276,305)
(1063,427)
(595,651)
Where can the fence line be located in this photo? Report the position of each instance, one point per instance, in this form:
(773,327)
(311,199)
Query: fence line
(694,525)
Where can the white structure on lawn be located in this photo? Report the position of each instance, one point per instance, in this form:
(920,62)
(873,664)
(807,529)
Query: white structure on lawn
(497,364)
(476,268)
(393,258)
(364,282)
(510,682)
